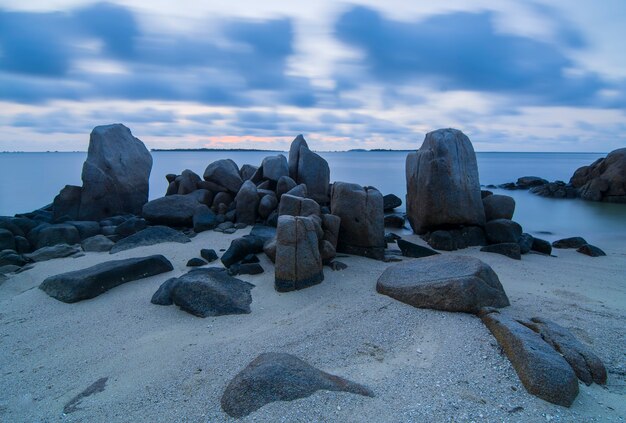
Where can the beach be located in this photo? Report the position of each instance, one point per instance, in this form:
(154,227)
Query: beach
(164,364)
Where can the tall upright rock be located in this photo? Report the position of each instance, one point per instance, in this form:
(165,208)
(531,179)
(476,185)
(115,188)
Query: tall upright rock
(443,189)
(115,175)
(310,169)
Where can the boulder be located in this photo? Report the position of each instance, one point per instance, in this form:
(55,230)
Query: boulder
(556,189)
(115,175)
(267,205)
(66,204)
(298,191)
(222,198)
(591,250)
(57,234)
(241,247)
(97,243)
(294,155)
(526,182)
(10,257)
(22,245)
(525,243)
(573,242)
(313,171)
(247,171)
(86,228)
(245,269)
(298,206)
(7,240)
(206,292)
(587,366)
(443,188)
(362,230)
(150,236)
(498,207)
(603,180)
(131,226)
(280,377)
(202,196)
(90,282)
(298,261)
(509,249)
(208,254)
(196,262)
(503,231)
(225,173)
(410,249)
(275,167)
(247,203)
(203,219)
(52,252)
(173,210)
(456,239)
(444,282)
(187,182)
(394,221)
(542,370)
(284,184)
(331,225)
(541,246)
(391,201)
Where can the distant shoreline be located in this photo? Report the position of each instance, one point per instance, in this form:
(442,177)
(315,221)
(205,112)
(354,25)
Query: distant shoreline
(356,150)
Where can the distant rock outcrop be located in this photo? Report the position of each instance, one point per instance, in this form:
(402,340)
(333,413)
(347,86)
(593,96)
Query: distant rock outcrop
(604,179)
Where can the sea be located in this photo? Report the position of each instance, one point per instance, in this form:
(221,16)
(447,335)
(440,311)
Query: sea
(31,180)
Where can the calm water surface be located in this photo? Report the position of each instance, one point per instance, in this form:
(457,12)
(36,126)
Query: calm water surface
(31,180)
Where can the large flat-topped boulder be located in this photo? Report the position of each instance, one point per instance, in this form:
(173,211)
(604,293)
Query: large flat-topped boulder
(115,175)
(603,180)
(542,370)
(149,236)
(90,282)
(443,188)
(172,210)
(444,282)
(280,377)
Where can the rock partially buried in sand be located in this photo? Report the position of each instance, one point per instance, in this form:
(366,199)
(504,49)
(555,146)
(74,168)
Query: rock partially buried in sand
(509,249)
(206,292)
(443,282)
(410,249)
(591,250)
(115,175)
(543,371)
(573,242)
(90,282)
(586,364)
(280,377)
(52,252)
(173,210)
(442,183)
(150,236)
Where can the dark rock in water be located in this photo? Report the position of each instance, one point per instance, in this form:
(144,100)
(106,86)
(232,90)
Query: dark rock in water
(508,186)
(526,182)
(86,228)
(587,366)
(203,219)
(247,201)
(297,206)
(90,282)
(247,171)
(67,203)
(541,246)
(241,247)
(498,207)
(413,250)
(298,260)
(442,183)
(7,240)
(131,226)
(57,234)
(245,269)
(173,210)
(97,243)
(195,262)
(444,282)
(10,257)
(525,243)
(503,231)
(362,229)
(394,221)
(207,292)
(208,254)
(391,201)
(485,193)
(274,167)
(150,236)
(603,180)
(573,242)
(556,189)
(284,184)
(542,370)
(115,175)
(225,173)
(52,252)
(280,377)
(509,249)
(591,250)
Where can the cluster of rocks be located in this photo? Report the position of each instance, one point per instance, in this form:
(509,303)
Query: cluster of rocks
(603,180)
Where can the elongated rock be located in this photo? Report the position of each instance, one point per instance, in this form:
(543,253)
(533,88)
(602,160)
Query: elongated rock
(543,371)
(90,282)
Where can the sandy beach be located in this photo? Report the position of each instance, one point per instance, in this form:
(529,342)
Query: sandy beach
(166,365)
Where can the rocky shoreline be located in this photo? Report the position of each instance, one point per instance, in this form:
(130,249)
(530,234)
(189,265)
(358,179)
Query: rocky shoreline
(302,223)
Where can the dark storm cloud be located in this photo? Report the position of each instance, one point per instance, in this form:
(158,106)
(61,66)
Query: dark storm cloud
(464,51)
(39,53)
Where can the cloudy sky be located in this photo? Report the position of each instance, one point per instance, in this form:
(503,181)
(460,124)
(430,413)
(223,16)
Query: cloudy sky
(513,75)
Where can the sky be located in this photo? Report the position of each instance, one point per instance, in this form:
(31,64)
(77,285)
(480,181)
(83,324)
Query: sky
(512,75)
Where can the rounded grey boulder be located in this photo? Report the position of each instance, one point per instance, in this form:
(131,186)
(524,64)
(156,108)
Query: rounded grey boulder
(498,207)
